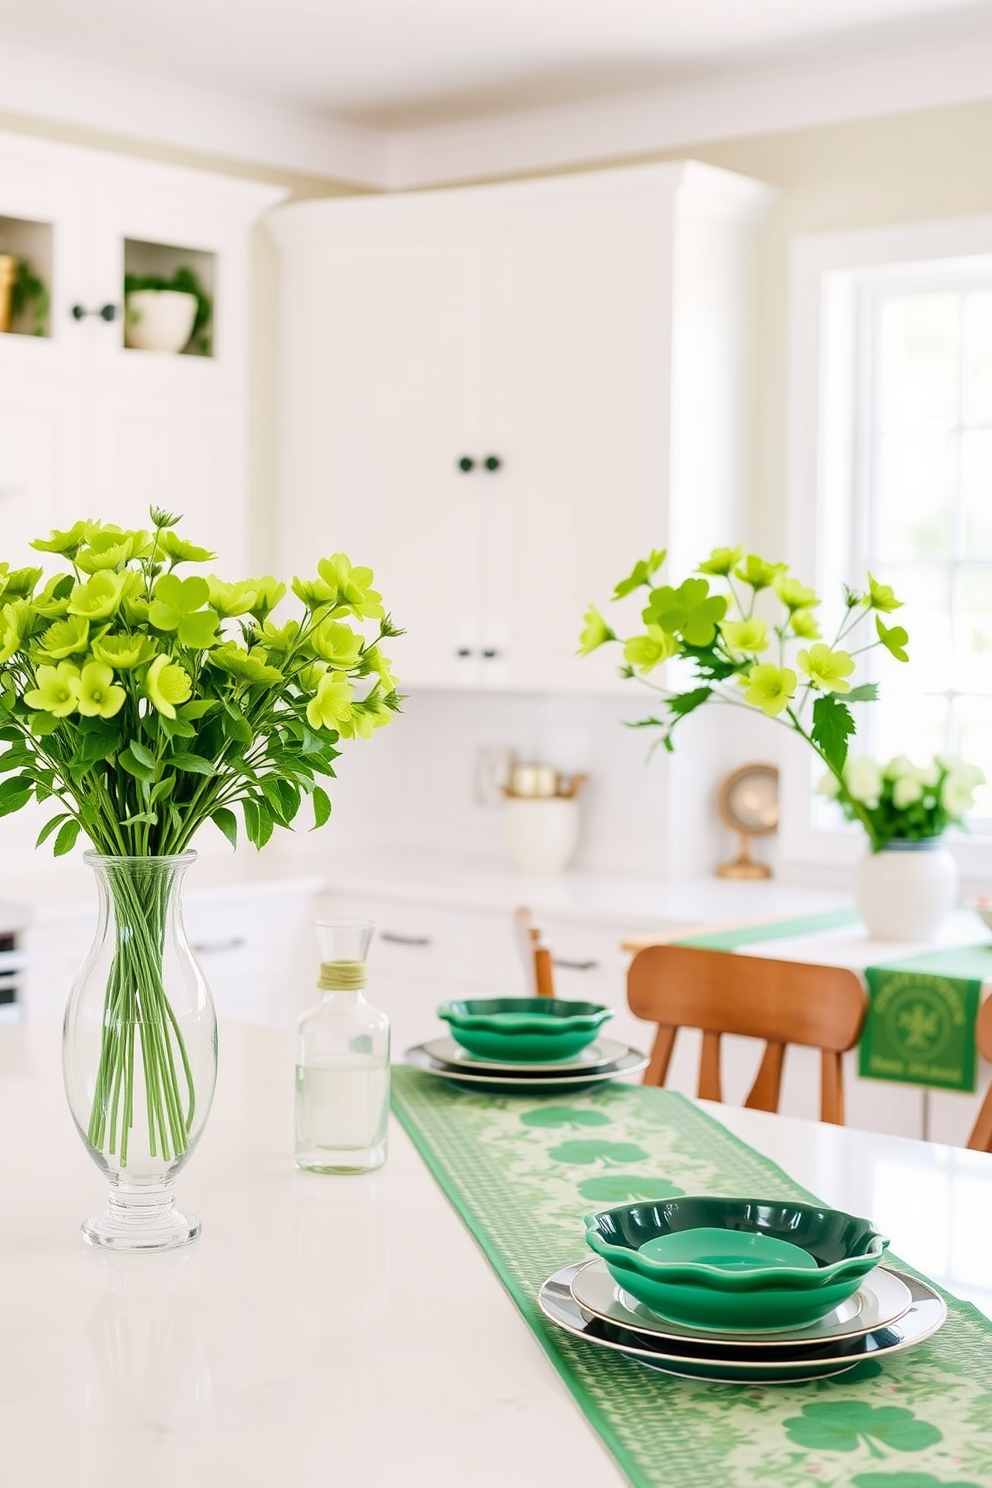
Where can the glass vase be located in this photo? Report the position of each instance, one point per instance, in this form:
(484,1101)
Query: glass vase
(139,1052)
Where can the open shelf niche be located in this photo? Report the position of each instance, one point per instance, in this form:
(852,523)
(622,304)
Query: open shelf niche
(32,242)
(162,260)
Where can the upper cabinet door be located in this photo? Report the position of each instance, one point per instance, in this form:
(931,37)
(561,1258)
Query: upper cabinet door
(577,400)
(380,413)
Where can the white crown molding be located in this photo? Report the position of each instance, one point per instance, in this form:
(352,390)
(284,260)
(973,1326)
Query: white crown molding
(764,100)
(85,95)
(910,75)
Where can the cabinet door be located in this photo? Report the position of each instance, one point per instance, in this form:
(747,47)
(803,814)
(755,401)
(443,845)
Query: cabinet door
(180,453)
(576,401)
(39,467)
(380,403)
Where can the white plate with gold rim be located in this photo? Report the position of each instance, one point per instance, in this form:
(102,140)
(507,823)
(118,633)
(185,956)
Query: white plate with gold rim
(882,1298)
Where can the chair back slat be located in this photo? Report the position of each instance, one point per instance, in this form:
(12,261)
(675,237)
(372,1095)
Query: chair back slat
(780,1002)
(981,1133)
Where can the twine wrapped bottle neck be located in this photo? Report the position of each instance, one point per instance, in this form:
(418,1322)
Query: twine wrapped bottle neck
(342,976)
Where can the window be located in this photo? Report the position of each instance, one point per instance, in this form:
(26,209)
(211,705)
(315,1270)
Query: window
(892,436)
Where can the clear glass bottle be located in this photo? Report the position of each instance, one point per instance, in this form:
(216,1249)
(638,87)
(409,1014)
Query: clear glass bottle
(342,1067)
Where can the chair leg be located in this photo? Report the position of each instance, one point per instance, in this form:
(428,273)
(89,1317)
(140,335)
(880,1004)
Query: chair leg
(767,1088)
(981,1134)
(661,1057)
(831,1088)
(544,972)
(709,1069)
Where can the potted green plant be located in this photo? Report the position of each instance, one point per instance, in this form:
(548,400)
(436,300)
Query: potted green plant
(22,293)
(170,314)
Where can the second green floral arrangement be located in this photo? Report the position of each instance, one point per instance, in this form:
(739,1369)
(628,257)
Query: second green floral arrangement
(775,662)
(142,704)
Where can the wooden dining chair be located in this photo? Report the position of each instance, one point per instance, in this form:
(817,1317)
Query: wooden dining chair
(538,966)
(782,1002)
(981,1132)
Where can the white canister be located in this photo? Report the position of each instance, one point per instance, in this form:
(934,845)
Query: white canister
(541,832)
(905,891)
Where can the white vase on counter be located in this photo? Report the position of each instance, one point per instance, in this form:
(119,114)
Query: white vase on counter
(904,891)
(542,832)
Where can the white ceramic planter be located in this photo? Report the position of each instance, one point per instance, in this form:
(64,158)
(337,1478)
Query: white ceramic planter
(904,891)
(159,319)
(541,831)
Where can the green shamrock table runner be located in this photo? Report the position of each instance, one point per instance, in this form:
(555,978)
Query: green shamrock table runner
(920,1028)
(521,1172)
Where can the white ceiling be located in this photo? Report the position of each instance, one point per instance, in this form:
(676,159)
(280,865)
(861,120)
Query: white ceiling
(380,71)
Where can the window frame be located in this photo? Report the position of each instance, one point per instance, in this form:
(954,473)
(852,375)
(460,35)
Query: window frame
(827,273)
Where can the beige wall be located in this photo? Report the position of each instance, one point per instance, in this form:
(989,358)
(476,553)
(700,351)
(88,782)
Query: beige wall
(907,167)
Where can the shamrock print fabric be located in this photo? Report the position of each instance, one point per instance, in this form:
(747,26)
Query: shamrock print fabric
(522,1173)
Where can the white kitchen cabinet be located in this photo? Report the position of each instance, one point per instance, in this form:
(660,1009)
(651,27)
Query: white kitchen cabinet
(87,426)
(499,396)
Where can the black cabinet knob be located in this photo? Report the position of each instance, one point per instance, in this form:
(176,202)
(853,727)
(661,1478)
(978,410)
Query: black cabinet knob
(103,312)
(466,464)
(492,462)
(490,653)
(463,651)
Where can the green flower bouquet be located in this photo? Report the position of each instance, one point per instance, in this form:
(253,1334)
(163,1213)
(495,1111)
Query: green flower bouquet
(140,702)
(905,802)
(750,636)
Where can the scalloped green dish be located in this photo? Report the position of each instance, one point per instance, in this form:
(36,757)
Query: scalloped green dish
(523,1029)
(702,1281)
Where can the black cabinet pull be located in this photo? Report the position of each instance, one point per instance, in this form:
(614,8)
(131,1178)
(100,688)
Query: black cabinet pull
(492,462)
(490,653)
(104,312)
(407,940)
(576,965)
(211,947)
(466,464)
(464,651)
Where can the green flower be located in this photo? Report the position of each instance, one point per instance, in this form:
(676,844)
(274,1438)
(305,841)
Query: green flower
(100,597)
(595,632)
(167,684)
(382,666)
(19,583)
(124,652)
(721,561)
(745,636)
(770,688)
(794,596)
(178,550)
(65,638)
(280,637)
(178,605)
(57,691)
(756,573)
(690,611)
(314,594)
(16,621)
(351,586)
(99,697)
(646,652)
(53,601)
(804,624)
(641,574)
(336,643)
(365,717)
(826,669)
(67,543)
(268,593)
(230,600)
(110,556)
(331,705)
(247,666)
(881,596)
(893,638)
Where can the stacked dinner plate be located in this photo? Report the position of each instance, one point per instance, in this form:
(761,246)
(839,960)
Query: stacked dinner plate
(740,1290)
(525,1046)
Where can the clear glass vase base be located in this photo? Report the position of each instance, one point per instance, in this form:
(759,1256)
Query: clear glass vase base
(140,1226)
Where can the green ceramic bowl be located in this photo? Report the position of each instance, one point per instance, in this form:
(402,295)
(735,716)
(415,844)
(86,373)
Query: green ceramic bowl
(750,1281)
(524,1028)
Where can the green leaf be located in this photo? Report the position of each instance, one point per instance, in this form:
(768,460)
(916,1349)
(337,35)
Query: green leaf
(44,723)
(228,823)
(249,810)
(197,708)
(235,725)
(866,692)
(687,702)
(627,1188)
(141,816)
(592,1151)
(143,754)
(321,806)
(176,728)
(162,788)
(290,796)
(270,790)
(832,727)
(9,734)
(66,840)
(134,766)
(573,1116)
(17,785)
(193,764)
(50,826)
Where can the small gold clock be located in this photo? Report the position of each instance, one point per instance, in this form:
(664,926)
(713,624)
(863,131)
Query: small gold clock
(748,804)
